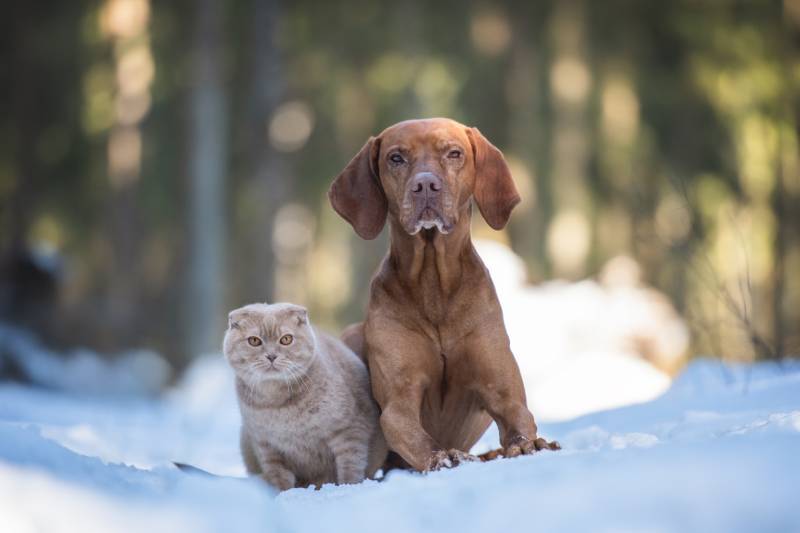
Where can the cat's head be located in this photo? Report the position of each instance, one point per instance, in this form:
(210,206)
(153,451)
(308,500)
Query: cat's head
(269,342)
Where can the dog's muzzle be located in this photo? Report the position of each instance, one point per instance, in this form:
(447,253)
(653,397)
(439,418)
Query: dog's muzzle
(427,191)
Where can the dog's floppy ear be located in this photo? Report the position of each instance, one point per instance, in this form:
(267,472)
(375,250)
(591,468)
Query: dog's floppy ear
(495,191)
(356,194)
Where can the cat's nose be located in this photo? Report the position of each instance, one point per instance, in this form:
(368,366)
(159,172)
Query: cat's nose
(272,358)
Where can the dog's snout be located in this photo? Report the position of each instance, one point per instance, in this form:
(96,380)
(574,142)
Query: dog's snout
(426,184)
(272,357)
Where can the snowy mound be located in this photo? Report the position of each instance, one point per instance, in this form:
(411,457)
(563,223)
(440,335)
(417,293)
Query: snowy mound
(588,346)
(81,371)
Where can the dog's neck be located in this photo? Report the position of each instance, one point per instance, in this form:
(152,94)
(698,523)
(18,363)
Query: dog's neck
(430,256)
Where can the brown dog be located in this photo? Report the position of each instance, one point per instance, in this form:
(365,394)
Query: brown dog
(434,338)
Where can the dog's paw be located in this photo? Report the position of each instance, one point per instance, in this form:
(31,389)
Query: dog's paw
(449,459)
(524,446)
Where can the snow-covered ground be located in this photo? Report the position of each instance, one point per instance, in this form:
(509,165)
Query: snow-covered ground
(717,452)
(92,448)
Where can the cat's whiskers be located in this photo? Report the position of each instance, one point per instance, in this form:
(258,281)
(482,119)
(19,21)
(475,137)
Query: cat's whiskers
(248,381)
(252,371)
(300,376)
(295,376)
(289,369)
(287,380)
(288,386)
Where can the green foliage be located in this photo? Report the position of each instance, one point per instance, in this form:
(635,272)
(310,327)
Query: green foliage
(666,131)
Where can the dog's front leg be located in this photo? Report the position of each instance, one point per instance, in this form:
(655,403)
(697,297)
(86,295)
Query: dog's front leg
(402,366)
(403,431)
(499,385)
(405,435)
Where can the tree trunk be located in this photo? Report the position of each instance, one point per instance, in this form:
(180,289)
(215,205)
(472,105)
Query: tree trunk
(207,167)
(266,181)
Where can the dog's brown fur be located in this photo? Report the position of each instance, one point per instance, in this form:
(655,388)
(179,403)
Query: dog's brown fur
(434,337)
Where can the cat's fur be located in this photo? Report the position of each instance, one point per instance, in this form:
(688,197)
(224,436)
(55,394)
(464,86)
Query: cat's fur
(308,418)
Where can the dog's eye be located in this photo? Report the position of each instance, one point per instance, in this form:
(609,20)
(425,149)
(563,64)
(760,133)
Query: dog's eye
(253,341)
(286,340)
(454,154)
(396,158)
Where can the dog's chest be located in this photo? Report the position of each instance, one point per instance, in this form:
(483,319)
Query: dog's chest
(434,291)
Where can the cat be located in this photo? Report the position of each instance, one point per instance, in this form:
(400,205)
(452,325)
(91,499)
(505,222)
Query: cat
(308,416)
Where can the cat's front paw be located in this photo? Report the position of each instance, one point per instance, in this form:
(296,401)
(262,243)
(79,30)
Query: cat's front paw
(279,479)
(449,459)
(523,446)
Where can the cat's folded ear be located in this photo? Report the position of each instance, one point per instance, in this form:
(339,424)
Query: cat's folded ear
(234,317)
(299,312)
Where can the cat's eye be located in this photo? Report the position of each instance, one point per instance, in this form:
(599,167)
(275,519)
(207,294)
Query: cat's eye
(286,340)
(253,341)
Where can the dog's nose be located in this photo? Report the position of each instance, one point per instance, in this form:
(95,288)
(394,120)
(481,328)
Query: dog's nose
(272,358)
(426,184)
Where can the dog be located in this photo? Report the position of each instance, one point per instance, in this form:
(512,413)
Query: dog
(434,339)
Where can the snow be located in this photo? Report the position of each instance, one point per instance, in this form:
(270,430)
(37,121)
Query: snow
(717,451)
(132,373)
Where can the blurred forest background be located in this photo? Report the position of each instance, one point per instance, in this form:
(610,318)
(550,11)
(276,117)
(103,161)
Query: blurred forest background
(164,162)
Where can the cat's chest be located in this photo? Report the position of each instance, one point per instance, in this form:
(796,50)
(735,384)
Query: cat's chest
(290,427)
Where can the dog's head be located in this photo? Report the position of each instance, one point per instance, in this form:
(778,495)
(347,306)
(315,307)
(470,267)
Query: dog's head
(422,172)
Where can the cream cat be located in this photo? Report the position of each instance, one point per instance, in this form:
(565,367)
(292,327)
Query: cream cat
(308,416)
